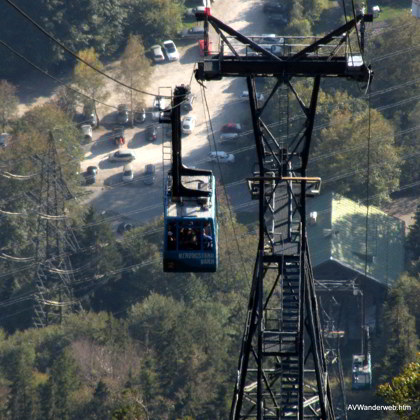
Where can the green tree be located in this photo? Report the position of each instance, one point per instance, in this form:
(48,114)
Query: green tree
(413,245)
(100,256)
(63,381)
(79,24)
(22,399)
(134,71)
(92,83)
(8,103)
(344,142)
(404,389)
(130,406)
(401,337)
(155,19)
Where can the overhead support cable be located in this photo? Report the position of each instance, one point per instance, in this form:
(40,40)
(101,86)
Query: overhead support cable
(73,54)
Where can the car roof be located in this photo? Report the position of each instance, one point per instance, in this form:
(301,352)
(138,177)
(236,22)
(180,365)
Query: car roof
(124,152)
(155,47)
(168,41)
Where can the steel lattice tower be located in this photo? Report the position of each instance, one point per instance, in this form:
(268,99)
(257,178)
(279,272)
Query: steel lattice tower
(282,369)
(54,242)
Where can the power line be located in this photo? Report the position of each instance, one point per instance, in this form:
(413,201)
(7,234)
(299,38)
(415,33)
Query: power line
(73,54)
(70,87)
(52,77)
(223,184)
(158,230)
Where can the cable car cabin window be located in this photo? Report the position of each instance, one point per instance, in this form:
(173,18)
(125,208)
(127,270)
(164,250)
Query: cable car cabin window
(172,236)
(206,236)
(189,236)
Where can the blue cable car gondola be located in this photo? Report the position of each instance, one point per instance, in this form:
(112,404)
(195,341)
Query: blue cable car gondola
(190,242)
(191,237)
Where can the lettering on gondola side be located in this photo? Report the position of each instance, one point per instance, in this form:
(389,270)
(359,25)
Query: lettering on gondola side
(195,255)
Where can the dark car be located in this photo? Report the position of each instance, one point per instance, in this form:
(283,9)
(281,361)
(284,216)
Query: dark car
(150,174)
(122,117)
(118,136)
(90,175)
(230,131)
(151,133)
(124,227)
(140,115)
(89,116)
(232,128)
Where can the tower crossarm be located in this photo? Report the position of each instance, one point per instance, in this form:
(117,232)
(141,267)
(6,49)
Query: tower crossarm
(285,56)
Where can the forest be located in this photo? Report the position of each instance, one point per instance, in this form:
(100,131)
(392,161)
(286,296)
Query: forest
(145,344)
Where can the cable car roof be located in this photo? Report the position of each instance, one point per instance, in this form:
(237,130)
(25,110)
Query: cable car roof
(201,207)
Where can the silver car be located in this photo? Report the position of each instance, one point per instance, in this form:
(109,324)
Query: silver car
(221,157)
(157,54)
(197,32)
(122,156)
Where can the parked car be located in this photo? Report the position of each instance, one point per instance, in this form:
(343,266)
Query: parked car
(196,32)
(230,131)
(151,133)
(201,47)
(124,227)
(140,115)
(86,130)
(4,140)
(187,105)
(89,115)
(122,117)
(188,124)
(128,173)
(157,54)
(118,136)
(90,175)
(160,103)
(157,115)
(192,11)
(150,174)
(245,95)
(268,39)
(170,50)
(221,157)
(122,156)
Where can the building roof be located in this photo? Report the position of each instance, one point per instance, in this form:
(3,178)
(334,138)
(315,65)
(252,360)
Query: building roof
(339,235)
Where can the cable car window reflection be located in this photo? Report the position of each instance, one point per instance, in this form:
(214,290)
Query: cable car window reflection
(207,238)
(172,236)
(189,236)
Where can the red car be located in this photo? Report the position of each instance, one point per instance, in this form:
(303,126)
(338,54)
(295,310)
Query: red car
(201,46)
(230,131)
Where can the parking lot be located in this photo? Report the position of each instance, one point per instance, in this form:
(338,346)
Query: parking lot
(135,200)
